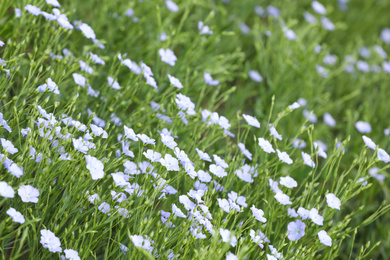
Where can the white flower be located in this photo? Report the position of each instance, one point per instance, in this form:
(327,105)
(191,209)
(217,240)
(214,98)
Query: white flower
(113,83)
(50,241)
(255,76)
(95,167)
(292,213)
(96,59)
(141,242)
(288,182)
(204,29)
(98,131)
(79,79)
(363,127)
(231,256)
(177,211)
(329,120)
(8,146)
(152,156)
(332,201)
(119,179)
(217,170)
(320,148)
(32,9)
(315,217)
(309,17)
(318,8)
(251,120)
(290,34)
(204,176)
(187,203)
(170,163)
(16,215)
(294,105)
(18,13)
(258,214)
(203,155)
(282,198)
(28,193)
(307,160)
(209,80)
(172,6)
(284,157)
(265,145)
(385,35)
(303,213)
(146,139)
(368,142)
(325,238)
(175,82)
(383,155)
(167,56)
(245,151)
(275,133)
(71,254)
(296,230)
(50,86)
(298,143)
(87,31)
(5,125)
(53,3)
(168,141)
(6,190)
(327,24)
(129,133)
(310,116)
(220,162)
(224,205)
(227,237)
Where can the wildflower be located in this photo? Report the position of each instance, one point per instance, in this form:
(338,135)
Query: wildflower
(167,56)
(50,86)
(227,237)
(79,79)
(231,256)
(168,141)
(332,201)
(258,239)
(273,11)
(209,80)
(170,163)
(244,28)
(385,35)
(4,123)
(220,162)
(6,190)
(294,105)
(224,123)
(95,167)
(8,146)
(374,174)
(28,193)
(15,215)
(71,254)
(245,151)
(329,120)
(292,213)
(184,103)
(204,29)
(203,156)
(217,170)
(32,9)
(303,213)
(310,116)
(113,83)
(318,8)
(275,133)
(119,179)
(363,127)
(98,131)
(383,155)
(252,121)
(284,157)
(309,17)
(255,76)
(288,182)
(50,241)
(298,143)
(224,205)
(96,59)
(324,238)
(315,217)
(177,211)
(53,3)
(258,214)
(146,139)
(274,186)
(87,31)
(152,156)
(204,176)
(290,34)
(296,230)
(245,174)
(320,148)
(282,198)
(124,248)
(175,82)
(18,13)
(172,6)
(307,160)
(369,143)
(129,133)
(266,146)
(141,242)
(187,203)
(363,66)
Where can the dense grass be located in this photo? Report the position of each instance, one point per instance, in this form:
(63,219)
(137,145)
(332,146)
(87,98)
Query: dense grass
(36,49)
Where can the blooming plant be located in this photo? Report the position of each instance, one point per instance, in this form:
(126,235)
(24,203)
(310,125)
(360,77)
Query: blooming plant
(194,130)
